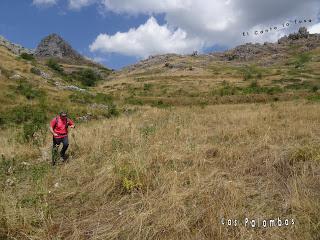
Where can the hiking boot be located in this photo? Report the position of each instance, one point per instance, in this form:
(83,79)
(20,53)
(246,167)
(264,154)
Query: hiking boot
(64,157)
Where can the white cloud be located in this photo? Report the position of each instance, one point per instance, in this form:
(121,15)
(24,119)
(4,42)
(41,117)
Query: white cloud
(148,39)
(44,2)
(314,28)
(187,21)
(213,21)
(78,4)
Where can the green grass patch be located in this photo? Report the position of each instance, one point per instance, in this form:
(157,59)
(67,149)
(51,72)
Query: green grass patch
(26,56)
(54,65)
(28,90)
(255,88)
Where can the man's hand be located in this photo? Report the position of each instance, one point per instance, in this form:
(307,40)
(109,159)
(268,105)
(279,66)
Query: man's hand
(53,133)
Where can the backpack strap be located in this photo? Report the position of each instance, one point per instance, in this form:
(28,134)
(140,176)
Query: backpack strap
(55,125)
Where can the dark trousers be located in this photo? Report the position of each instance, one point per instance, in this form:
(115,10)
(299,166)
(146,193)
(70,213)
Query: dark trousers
(55,146)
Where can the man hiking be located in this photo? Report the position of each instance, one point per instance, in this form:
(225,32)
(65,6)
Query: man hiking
(59,129)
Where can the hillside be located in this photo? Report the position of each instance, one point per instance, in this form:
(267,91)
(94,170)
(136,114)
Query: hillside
(255,73)
(168,148)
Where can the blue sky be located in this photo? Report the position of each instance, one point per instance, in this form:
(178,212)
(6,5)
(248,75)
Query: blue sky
(121,32)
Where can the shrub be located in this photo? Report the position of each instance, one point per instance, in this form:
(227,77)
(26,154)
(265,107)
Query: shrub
(160,104)
(250,72)
(112,111)
(302,59)
(27,90)
(26,56)
(129,177)
(81,97)
(315,89)
(147,86)
(35,71)
(32,118)
(88,77)
(225,90)
(103,98)
(54,65)
(254,88)
(133,101)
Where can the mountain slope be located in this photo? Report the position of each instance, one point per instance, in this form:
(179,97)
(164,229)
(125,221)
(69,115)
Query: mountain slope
(176,165)
(256,73)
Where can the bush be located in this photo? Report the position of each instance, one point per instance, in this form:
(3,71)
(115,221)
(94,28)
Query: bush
(35,71)
(88,77)
(302,59)
(160,104)
(81,97)
(225,90)
(27,90)
(26,56)
(254,88)
(112,111)
(32,118)
(133,101)
(103,98)
(54,65)
(147,86)
(250,72)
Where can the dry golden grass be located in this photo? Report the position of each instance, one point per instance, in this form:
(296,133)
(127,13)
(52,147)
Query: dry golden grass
(170,174)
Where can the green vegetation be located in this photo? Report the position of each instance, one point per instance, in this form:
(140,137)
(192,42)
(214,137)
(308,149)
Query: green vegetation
(28,90)
(28,57)
(35,71)
(226,89)
(160,104)
(255,88)
(88,77)
(249,72)
(54,65)
(133,101)
(301,60)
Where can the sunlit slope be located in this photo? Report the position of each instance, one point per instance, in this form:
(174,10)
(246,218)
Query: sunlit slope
(170,174)
(185,80)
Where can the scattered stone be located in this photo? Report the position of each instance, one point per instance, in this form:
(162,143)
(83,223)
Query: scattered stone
(16,77)
(45,75)
(25,164)
(70,87)
(99,106)
(73,88)
(85,118)
(10,182)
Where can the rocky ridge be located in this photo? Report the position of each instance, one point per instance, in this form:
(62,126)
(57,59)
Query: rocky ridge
(15,48)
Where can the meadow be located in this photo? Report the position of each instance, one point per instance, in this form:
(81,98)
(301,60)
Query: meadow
(170,173)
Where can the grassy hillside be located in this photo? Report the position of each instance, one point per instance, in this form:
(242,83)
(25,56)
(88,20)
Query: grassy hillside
(163,150)
(32,92)
(170,174)
(185,80)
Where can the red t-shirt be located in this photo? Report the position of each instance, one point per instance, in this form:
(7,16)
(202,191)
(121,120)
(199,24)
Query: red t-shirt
(60,127)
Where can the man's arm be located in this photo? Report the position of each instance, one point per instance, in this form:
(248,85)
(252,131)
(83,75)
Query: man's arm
(71,123)
(52,132)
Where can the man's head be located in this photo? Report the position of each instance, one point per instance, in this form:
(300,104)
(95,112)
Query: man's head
(63,114)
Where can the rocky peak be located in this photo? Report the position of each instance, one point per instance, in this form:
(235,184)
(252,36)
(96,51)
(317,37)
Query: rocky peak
(55,46)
